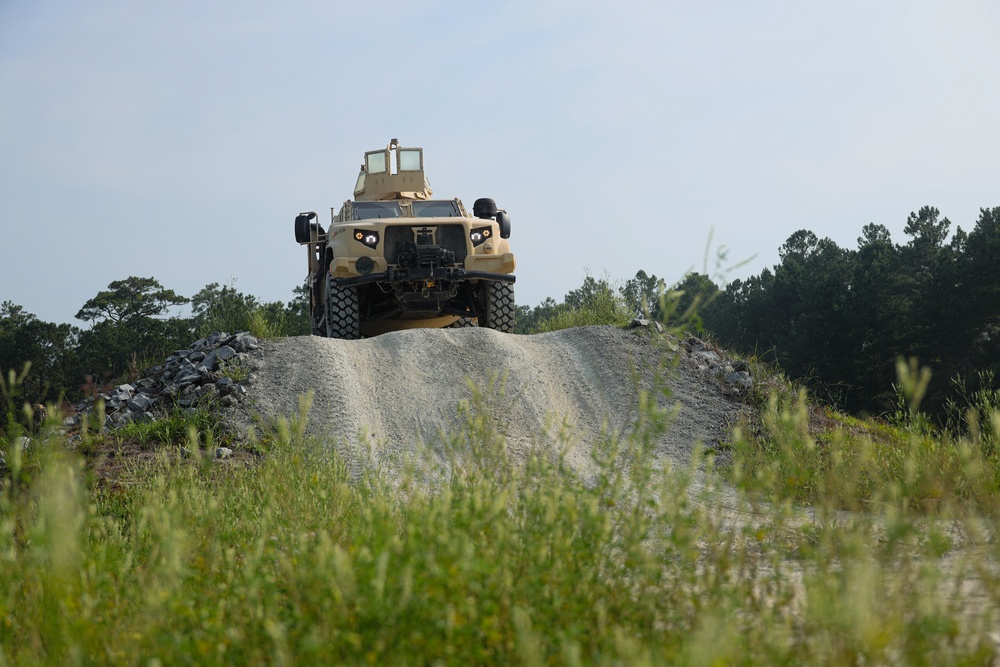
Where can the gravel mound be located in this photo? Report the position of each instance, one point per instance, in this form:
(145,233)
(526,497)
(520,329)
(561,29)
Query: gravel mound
(396,394)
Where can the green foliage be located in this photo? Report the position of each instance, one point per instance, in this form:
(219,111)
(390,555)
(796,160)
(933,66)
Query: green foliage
(695,303)
(296,560)
(130,300)
(225,309)
(527,319)
(169,429)
(841,318)
(47,347)
(235,372)
(974,410)
(600,302)
(298,321)
(594,302)
(13,397)
(814,455)
(642,294)
(108,350)
(222,308)
(128,327)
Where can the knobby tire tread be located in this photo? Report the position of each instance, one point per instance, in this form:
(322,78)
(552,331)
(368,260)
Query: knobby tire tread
(500,306)
(343,318)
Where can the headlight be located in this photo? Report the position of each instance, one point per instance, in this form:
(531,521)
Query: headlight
(479,235)
(366,236)
(364,265)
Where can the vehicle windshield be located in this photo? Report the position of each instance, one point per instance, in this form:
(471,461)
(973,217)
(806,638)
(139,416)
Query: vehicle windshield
(366,210)
(434,209)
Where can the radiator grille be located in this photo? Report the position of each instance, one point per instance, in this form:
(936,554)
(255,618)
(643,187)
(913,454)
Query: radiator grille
(450,237)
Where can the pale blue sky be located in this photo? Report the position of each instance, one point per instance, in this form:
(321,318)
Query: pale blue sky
(179,139)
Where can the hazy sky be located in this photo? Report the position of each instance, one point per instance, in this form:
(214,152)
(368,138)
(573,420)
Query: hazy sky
(179,139)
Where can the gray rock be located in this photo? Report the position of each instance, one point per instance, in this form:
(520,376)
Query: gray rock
(710,356)
(739,379)
(122,392)
(187,377)
(216,337)
(694,343)
(223,453)
(642,322)
(243,341)
(141,403)
(141,417)
(221,354)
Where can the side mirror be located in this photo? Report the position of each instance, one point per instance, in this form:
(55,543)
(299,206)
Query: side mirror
(303,224)
(484,208)
(504,221)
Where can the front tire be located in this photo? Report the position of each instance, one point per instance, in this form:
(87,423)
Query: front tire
(499,307)
(343,317)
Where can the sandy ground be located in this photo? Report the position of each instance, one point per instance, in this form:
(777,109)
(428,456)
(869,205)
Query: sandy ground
(400,391)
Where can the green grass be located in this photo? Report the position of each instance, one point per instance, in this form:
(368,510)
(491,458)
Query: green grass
(605,308)
(294,560)
(169,429)
(797,450)
(583,317)
(236,372)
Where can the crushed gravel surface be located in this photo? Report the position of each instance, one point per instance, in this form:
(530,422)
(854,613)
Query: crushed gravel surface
(396,394)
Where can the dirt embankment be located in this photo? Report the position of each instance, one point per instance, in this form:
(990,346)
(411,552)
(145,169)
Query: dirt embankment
(400,391)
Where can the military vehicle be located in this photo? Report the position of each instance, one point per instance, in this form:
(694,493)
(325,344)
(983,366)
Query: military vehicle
(394,258)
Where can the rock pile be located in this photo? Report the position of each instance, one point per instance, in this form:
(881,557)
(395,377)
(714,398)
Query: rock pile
(735,375)
(643,323)
(201,374)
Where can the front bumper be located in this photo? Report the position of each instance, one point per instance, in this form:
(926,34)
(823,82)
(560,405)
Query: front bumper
(421,273)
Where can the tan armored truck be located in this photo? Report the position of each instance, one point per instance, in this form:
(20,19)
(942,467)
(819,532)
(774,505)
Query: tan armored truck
(394,258)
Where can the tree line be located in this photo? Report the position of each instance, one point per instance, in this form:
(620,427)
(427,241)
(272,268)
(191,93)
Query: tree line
(839,318)
(834,317)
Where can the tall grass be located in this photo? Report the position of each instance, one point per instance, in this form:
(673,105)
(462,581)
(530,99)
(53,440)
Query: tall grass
(815,455)
(296,560)
(601,305)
